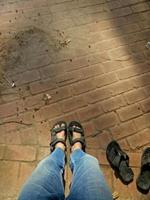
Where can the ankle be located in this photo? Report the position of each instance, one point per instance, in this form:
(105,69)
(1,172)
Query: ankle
(60,145)
(76,146)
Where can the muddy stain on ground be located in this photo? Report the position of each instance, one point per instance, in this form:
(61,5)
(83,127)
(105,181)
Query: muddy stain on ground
(28,49)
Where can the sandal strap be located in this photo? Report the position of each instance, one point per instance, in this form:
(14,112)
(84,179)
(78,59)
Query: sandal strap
(75,126)
(57,130)
(119,157)
(76,129)
(54,131)
(81,140)
(55,141)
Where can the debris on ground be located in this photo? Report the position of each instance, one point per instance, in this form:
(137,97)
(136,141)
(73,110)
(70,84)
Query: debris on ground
(115,195)
(11,83)
(63,39)
(148,45)
(65,42)
(46,98)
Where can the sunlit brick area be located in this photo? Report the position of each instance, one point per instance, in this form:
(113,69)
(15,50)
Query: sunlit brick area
(86,60)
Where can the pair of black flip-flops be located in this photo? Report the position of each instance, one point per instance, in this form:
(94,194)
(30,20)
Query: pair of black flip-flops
(119,161)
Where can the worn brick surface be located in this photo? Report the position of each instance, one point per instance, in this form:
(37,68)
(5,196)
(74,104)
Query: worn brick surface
(135,95)
(113,103)
(123,129)
(129,112)
(2,149)
(38,87)
(23,153)
(142,122)
(10,109)
(146,105)
(8,174)
(73,60)
(138,139)
(90,112)
(106,121)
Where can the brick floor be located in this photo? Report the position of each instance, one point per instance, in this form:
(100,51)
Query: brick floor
(90,57)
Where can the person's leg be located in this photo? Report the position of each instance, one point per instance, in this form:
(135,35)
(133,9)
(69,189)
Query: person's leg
(46,182)
(88,181)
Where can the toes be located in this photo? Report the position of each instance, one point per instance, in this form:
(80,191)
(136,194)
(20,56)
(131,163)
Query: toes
(62,125)
(56,126)
(74,126)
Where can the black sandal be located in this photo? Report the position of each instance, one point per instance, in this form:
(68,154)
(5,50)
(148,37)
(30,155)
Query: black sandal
(54,131)
(143,180)
(119,161)
(75,126)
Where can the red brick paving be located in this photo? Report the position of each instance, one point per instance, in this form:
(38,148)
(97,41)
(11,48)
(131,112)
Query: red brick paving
(90,57)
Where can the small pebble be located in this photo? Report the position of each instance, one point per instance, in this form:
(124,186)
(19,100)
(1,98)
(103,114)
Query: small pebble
(148,45)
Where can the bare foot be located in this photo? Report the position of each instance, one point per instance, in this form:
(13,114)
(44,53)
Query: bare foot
(77,145)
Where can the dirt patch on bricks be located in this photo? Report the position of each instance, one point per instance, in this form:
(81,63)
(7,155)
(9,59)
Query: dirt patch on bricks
(28,49)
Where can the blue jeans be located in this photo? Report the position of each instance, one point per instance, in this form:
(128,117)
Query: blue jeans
(46,181)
